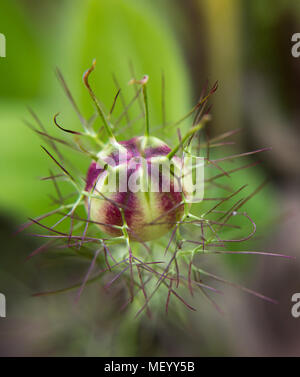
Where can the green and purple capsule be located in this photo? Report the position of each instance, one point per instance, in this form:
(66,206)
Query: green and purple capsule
(148,213)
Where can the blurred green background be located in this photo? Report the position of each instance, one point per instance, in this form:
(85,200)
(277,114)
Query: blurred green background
(246,46)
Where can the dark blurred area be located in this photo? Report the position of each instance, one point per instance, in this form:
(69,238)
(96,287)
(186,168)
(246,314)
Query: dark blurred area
(246,46)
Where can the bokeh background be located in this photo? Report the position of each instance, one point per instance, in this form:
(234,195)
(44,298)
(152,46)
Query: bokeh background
(246,46)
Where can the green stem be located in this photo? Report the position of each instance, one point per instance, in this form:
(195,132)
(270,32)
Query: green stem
(147,131)
(191,132)
(96,102)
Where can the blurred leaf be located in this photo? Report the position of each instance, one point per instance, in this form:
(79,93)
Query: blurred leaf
(117,33)
(21,72)
(114,32)
(21,164)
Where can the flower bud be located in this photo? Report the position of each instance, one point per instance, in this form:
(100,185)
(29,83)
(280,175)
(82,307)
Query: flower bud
(135,177)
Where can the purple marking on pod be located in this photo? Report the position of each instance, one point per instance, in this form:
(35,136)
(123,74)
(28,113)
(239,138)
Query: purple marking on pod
(93,173)
(131,146)
(113,214)
(162,150)
(140,209)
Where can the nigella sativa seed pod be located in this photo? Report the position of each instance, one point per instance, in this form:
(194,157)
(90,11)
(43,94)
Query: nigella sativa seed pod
(139,197)
(136,175)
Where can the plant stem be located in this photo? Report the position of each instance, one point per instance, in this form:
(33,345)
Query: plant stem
(187,135)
